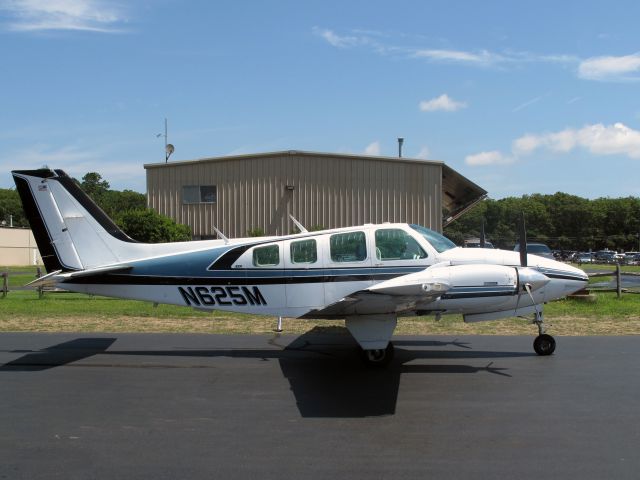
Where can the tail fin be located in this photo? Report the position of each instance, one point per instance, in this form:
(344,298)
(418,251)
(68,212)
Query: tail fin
(71,231)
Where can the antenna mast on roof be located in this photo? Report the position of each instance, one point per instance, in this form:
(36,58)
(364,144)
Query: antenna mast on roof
(168,148)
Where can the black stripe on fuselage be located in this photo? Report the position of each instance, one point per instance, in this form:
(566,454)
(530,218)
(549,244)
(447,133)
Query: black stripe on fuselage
(566,277)
(559,275)
(455,296)
(114,279)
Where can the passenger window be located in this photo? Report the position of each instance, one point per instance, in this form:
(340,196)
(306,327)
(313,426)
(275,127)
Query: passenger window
(396,244)
(304,251)
(268,256)
(348,247)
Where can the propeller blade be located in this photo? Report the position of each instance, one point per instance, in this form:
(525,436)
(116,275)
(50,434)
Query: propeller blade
(482,237)
(523,242)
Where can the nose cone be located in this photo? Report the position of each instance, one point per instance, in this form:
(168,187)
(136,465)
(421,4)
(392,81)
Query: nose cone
(529,276)
(565,279)
(580,274)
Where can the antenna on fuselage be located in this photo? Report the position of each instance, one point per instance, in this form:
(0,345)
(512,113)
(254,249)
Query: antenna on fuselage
(221,235)
(298,224)
(483,240)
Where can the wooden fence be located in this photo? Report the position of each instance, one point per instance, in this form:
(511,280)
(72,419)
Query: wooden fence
(617,274)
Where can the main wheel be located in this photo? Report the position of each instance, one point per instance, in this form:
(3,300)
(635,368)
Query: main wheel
(544,344)
(378,358)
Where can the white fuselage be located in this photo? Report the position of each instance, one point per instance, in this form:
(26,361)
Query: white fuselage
(483,280)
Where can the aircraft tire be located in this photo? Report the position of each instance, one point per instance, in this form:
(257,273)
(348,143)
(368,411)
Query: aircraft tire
(378,358)
(544,344)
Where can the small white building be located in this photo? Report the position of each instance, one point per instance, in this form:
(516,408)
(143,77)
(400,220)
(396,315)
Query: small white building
(18,247)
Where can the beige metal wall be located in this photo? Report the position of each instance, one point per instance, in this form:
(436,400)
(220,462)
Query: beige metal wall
(18,248)
(332,191)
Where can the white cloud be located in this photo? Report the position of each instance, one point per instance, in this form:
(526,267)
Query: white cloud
(482,58)
(493,157)
(76,161)
(598,139)
(443,102)
(423,153)
(340,41)
(626,67)
(373,149)
(384,44)
(86,15)
(525,144)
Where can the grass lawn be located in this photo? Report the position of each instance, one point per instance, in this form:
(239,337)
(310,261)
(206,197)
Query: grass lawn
(23,311)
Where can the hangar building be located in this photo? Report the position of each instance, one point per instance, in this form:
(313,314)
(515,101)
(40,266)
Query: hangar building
(241,193)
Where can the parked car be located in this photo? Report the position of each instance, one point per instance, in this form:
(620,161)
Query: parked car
(475,243)
(583,257)
(605,256)
(632,258)
(539,249)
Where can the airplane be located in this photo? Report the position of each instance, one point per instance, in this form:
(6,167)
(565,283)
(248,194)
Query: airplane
(369,275)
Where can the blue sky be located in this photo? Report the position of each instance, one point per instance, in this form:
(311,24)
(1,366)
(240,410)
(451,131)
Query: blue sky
(521,99)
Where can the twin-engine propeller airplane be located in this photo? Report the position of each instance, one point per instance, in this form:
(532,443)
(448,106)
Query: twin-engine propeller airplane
(368,275)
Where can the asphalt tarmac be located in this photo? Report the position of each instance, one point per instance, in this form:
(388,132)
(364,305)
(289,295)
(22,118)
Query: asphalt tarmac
(102,406)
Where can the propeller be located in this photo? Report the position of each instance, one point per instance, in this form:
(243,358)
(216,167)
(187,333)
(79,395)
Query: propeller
(523,242)
(482,236)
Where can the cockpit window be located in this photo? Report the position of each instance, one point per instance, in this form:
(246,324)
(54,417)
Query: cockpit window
(348,247)
(268,256)
(438,241)
(396,244)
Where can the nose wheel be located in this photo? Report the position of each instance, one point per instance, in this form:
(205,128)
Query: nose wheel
(543,344)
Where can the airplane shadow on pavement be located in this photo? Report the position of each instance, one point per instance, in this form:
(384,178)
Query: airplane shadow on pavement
(322,366)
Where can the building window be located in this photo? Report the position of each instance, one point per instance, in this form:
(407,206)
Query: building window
(396,244)
(304,251)
(199,194)
(348,247)
(268,256)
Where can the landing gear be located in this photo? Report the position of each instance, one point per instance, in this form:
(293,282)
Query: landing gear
(378,358)
(543,344)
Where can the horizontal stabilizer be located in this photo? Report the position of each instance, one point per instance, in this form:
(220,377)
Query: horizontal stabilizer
(45,280)
(57,277)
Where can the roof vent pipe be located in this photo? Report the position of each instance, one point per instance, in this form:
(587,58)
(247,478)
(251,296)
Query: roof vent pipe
(400,142)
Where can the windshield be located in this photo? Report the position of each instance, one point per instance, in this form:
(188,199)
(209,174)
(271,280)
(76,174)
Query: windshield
(438,241)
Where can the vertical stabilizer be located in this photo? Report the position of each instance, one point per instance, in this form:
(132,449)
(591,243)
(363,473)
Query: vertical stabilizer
(71,231)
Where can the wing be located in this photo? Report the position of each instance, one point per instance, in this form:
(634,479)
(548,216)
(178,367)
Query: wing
(398,295)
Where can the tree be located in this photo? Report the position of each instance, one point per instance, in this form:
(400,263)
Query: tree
(561,220)
(94,186)
(151,227)
(128,209)
(114,202)
(10,206)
